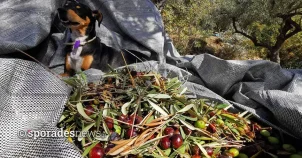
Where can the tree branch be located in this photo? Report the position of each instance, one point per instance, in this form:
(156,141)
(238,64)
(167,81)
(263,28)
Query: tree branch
(252,38)
(297,29)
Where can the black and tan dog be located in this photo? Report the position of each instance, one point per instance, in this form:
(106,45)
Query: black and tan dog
(84,49)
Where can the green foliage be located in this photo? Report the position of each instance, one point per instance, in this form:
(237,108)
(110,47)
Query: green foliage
(185,22)
(190,23)
(291,53)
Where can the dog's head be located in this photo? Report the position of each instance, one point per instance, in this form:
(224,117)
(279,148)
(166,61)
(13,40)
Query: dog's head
(77,16)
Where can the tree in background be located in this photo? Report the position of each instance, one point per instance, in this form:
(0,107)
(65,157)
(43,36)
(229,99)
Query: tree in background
(267,23)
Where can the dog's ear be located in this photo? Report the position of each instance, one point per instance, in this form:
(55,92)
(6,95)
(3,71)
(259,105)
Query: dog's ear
(98,16)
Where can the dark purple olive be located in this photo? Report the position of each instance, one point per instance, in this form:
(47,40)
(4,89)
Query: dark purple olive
(131,133)
(176,141)
(169,131)
(114,136)
(209,151)
(196,156)
(165,143)
(109,122)
(196,150)
(89,110)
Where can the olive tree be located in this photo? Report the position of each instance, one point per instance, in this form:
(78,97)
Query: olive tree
(267,23)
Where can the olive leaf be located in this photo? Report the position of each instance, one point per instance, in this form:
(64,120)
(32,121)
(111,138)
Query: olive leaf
(124,108)
(186,108)
(221,106)
(82,112)
(203,150)
(191,127)
(84,131)
(87,150)
(157,108)
(159,96)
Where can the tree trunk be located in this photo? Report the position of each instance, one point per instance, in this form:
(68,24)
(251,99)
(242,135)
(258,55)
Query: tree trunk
(274,55)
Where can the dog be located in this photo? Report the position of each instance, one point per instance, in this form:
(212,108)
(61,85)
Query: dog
(84,49)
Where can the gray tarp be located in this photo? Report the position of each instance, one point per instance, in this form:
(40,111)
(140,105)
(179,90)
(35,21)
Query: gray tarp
(33,99)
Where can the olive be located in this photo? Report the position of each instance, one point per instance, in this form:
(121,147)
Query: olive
(176,141)
(241,155)
(196,156)
(200,124)
(187,130)
(211,128)
(114,136)
(165,143)
(210,151)
(138,119)
(130,133)
(109,122)
(96,101)
(289,148)
(273,140)
(295,156)
(234,152)
(195,150)
(97,152)
(265,133)
(169,131)
(220,122)
(89,110)
(212,113)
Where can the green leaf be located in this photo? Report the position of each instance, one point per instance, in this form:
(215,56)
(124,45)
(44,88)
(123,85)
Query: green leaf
(106,129)
(183,135)
(151,118)
(189,118)
(167,152)
(235,131)
(191,127)
(85,130)
(172,111)
(174,154)
(183,91)
(157,108)
(87,150)
(159,96)
(82,112)
(101,137)
(186,108)
(217,150)
(221,106)
(203,150)
(70,119)
(73,97)
(62,118)
(98,121)
(124,108)
(182,148)
(83,77)
(71,81)
(106,110)
(117,128)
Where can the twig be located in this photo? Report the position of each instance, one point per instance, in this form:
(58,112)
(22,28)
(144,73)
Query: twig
(131,78)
